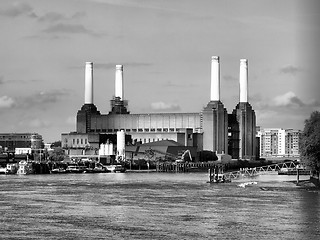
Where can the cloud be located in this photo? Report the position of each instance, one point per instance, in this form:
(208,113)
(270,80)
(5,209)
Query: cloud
(161,106)
(51,17)
(41,98)
(230,78)
(54,17)
(18,9)
(113,65)
(289,69)
(288,99)
(68,28)
(6,102)
(48,97)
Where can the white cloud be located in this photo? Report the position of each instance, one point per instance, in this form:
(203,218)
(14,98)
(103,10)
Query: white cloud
(161,106)
(6,102)
(288,99)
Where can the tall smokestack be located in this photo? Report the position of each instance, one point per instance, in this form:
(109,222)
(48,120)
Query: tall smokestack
(119,82)
(215,79)
(88,91)
(243,78)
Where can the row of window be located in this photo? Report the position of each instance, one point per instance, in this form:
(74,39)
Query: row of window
(148,140)
(141,130)
(80,141)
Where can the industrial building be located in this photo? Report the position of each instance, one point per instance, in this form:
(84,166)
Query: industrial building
(211,129)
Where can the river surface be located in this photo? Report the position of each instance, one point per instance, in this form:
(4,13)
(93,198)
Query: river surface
(155,206)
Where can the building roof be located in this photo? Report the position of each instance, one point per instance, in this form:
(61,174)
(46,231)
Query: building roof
(167,143)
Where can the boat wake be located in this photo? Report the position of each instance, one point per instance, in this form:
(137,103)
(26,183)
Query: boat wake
(243,185)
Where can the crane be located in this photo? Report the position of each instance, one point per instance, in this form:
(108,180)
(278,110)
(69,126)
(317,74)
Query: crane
(183,155)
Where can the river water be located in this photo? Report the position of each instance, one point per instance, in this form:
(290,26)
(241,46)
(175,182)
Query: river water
(155,206)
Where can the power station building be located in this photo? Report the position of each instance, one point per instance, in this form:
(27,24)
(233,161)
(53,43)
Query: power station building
(211,129)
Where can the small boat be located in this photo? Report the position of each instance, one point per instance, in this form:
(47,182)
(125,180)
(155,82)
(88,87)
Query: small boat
(75,168)
(100,170)
(116,168)
(58,171)
(12,168)
(3,170)
(219,178)
(25,167)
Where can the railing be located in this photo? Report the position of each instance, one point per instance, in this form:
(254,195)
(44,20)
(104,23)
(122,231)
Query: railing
(250,172)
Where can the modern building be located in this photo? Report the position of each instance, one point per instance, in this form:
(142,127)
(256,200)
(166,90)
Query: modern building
(278,142)
(211,129)
(11,141)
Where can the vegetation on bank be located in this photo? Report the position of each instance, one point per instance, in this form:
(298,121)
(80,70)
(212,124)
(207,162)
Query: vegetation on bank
(310,143)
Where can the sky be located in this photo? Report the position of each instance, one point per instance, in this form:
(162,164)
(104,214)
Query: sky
(166,48)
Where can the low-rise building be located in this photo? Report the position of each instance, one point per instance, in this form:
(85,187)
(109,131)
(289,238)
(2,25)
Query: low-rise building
(11,141)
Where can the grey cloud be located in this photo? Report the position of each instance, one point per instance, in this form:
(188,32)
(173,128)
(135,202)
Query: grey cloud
(297,101)
(54,17)
(290,70)
(51,17)
(78,15)
(42,98)
(67,28)
(230,78)
(18,9)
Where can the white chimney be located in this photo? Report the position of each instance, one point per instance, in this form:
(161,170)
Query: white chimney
(88,91)
(119,82)
(215,79)
(243,78)
(121,146)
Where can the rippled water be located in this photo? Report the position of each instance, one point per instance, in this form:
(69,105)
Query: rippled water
(155,206)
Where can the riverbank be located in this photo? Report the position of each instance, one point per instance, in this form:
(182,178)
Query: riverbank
(141,171)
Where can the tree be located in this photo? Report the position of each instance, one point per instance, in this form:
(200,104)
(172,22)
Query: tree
(310,142)
(56,144)
(57,154)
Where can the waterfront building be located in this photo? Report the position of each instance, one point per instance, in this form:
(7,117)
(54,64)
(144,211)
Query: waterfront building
(11,141)
(211,129)
(278,142)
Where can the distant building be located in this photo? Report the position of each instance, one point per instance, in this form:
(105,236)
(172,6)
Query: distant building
(278,142)
(11,141)
(210,129)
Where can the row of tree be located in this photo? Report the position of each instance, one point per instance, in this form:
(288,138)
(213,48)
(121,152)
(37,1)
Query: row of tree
(310,143)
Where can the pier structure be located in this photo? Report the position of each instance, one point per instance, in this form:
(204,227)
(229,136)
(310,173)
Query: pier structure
(273,168)
(185,167)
